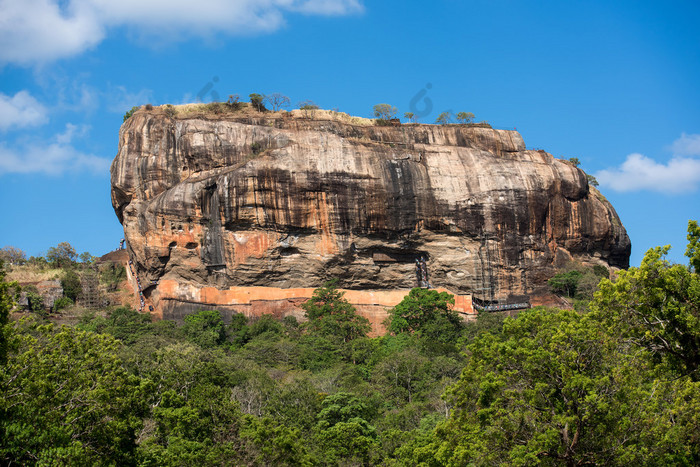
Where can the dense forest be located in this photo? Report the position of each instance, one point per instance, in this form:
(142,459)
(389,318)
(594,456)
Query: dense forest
(613,382)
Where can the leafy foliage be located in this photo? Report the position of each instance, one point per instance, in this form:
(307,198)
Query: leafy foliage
(61,255)
(129,113)
(257,101)
(427,312)
(9,293)
(614,385)
(444,118)
(72,287)
(333,316)
(465,117)
(67,399)
(657,306)
(385,111)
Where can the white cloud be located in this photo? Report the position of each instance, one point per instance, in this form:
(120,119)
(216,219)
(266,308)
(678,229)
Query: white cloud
(638,172)
(38,31)
(71,132)
(21,110)
(686,145)
(52,159)
(34,31)
(119,99)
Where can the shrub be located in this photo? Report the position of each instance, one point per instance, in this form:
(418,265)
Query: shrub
(170,111)
(61,303)
(256,101)
(444,118)
(256,147)
(129,113)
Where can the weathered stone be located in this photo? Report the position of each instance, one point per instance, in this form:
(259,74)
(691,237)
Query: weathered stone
(231,200)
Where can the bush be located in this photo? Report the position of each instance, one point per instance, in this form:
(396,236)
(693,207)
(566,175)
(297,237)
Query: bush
(62,303)
(72,287)
(170,111)
(129,113)
(256,101)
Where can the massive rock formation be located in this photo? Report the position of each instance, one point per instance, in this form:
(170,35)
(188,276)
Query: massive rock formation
(242,199)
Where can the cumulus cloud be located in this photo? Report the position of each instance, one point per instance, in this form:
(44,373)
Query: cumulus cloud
(681,174)
(36,31)
(55,158)
(20,110)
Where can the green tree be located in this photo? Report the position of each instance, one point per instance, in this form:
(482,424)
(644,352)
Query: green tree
(9,293)
(428,313)
(257,101)
(657,305)
(72,287)
(68,400)
(205,328)
(444,118)
(61,255)
(35,301)
(555,389)
(332,315)
(385,112)
(575,161)
(343,431)
(410,116)
(592,180)
(693,250)
(86,258)
(465,117)
(565,282)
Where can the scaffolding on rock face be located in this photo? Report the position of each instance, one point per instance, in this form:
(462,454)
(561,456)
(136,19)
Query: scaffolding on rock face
(490,296)
(91,296)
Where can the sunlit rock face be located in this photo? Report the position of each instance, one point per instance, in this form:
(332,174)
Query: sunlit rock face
(278,200)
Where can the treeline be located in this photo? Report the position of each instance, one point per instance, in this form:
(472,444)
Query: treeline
(616,383)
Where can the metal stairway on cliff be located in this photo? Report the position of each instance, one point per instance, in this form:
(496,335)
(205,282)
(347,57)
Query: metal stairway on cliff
(422,273)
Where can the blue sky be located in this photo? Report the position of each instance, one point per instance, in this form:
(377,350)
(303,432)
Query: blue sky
(616,84)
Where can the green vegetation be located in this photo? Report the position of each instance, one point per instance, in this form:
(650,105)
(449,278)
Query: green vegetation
(61,256)
(129,113)
(444,118)
(615,382)
(384,113)
(257,101)
(465,117)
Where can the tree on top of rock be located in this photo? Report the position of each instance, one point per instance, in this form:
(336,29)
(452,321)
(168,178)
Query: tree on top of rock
(385,111)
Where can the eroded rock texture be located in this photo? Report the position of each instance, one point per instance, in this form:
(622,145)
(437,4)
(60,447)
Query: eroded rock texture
(288,202)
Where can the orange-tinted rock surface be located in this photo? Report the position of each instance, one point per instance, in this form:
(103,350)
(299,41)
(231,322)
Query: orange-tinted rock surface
(220,201)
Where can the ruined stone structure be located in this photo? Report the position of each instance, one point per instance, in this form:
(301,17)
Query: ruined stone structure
(213,204)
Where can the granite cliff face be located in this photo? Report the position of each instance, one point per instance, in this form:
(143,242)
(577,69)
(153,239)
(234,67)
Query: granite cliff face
(278,200)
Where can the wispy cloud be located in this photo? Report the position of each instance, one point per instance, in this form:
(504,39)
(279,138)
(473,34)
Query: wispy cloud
(21,110)
(55,158)
(119,99)
(680,174)
(686,145)
(39,31)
